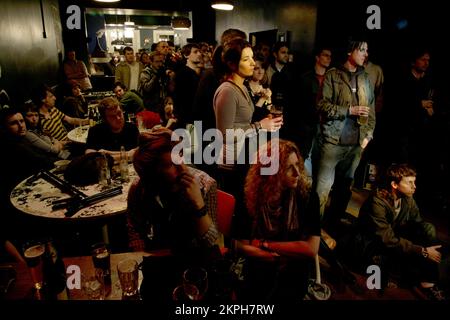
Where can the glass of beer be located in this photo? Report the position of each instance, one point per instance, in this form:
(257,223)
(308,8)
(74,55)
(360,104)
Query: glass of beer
(128,272)
(33,252)
(276,111)
(197,277)
(362,120)
(101,257)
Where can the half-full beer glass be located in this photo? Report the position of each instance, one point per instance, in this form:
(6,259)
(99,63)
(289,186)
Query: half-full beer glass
(33,252)
(101,257)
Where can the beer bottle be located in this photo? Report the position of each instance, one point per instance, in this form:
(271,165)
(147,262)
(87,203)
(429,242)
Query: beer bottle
(123,165)
(91,116)
(97,116)
(54,273)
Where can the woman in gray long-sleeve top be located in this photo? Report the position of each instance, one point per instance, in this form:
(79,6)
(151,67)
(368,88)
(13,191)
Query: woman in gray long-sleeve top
(233,106)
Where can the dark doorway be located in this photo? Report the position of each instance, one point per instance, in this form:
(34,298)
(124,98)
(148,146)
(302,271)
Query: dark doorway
(268,37)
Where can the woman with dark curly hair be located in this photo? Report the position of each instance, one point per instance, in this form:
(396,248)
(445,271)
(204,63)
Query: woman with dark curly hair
(285,232)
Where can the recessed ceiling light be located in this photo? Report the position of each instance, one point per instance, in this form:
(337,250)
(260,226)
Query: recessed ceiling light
(222,5)
(106,0)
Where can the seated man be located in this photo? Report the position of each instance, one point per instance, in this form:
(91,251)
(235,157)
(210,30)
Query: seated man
(113,133)
(392,232)
(37,138)
(22,159)
(170,205)
(51,118)
(75,105)
(130,101)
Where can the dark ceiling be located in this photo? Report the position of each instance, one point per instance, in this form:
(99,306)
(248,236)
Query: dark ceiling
(169,5)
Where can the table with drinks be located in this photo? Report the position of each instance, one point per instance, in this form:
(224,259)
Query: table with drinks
(101,276)
(39,197)
(47,195)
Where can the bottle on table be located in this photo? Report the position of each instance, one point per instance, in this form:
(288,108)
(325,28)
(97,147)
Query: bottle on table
(123,165)
(91,116)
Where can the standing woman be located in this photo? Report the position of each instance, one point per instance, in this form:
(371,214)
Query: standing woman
(284,233)
(258,88)
(233,108)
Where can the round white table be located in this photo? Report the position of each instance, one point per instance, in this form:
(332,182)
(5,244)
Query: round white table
(79,134)
(35,197)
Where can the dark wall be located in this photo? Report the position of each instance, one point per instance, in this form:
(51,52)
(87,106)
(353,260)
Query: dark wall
(26,57)
(297,16)
(204,23)
(404,26)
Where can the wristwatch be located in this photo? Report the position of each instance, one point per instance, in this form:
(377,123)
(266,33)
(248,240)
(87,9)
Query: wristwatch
(425,252)
(202,212)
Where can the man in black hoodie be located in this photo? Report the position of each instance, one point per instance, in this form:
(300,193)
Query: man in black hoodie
(347,121)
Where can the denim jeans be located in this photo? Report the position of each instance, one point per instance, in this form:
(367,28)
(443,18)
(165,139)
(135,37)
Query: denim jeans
(333,161)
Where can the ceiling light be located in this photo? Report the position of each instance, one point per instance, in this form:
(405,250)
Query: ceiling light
(222,5)
(181,23)
(107,1)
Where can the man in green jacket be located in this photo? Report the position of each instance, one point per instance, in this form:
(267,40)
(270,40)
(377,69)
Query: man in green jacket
(347,122)
(392,231)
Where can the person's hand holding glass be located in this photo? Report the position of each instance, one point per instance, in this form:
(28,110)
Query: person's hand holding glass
(362,112)
(427,104)
(275,119)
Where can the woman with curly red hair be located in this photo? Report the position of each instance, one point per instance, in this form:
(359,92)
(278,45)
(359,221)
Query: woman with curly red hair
(285,231)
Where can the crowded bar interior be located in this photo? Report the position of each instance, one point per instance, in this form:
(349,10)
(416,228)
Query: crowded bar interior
(224,151)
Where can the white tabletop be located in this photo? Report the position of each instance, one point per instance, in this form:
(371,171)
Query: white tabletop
(36,198)
(79,134)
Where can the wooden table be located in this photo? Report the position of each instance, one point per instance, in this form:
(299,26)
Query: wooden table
(22,288)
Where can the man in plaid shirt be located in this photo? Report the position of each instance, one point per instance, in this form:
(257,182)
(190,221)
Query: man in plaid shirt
(170,205)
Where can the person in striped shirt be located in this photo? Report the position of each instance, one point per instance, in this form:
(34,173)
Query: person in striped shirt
(51,117)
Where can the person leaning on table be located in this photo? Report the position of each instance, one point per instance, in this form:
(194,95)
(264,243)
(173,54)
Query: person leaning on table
(113,133)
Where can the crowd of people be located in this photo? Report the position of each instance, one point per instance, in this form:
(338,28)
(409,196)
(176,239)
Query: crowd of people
(330,117)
